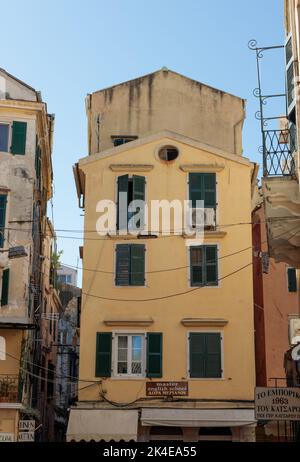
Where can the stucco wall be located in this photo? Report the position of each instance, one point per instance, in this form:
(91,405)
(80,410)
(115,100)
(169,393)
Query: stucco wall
(165,100)
(232,300)
(17,180)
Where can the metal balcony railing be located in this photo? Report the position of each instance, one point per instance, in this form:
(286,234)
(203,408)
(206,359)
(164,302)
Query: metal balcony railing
(278,152)
(9,388)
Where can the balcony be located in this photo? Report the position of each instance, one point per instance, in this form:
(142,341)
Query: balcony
(9,388)
(279,147)
(281,195)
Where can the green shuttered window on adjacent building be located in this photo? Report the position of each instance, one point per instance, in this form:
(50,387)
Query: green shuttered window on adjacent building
(154,354)
(202,187)
(3,201)
(18,145)
(204,265)
(5,287)
(205,355)
(103,354)
(130,265)
(292,280)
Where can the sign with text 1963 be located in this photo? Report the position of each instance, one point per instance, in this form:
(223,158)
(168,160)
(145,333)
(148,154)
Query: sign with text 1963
(167,388)
(277,403)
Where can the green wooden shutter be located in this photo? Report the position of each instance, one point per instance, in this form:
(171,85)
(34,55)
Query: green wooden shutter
(38,156)
(122,212)
(123,265)
(195,188)
(197,355)
(202,187)
(211,265)
(154,354)
(139,194)
(3,201)
(292,280)
(103,354)
(18,145)
(209,189)
(205,355)
(137,264)
(213,355)
(5,287)
(196,265)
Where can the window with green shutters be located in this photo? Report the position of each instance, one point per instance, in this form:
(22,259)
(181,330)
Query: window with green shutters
(130,265)
(5,287)
(292,279)
(204,265)
(205,355)
(103,354)
(130,189)
(202,187)
(38,161)
(3,201)
(18,145)
(154,354)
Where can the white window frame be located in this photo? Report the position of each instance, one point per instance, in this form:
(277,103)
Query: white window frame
(115,373)
(206,331)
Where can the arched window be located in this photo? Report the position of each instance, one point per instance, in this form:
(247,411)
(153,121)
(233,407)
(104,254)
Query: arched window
(2,349)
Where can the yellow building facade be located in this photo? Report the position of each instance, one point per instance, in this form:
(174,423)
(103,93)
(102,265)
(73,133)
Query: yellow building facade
(167,334)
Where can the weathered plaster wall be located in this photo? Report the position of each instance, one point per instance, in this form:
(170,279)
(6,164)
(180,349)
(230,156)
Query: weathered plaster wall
(165,100)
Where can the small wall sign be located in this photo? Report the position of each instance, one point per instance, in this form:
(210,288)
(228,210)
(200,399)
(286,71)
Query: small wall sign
(167,389)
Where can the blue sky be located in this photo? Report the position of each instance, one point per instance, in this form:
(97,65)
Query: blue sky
(68,48)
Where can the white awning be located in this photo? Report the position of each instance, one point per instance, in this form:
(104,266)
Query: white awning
(198,417)
(102,424)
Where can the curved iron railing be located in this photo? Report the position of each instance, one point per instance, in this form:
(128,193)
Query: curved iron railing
(278,152)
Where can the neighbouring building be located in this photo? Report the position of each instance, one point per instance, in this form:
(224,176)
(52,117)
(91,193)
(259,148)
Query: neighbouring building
(26,132)
(281,209)
(67,363)
(167,328)
(46,349)
(275,305)
(67,275)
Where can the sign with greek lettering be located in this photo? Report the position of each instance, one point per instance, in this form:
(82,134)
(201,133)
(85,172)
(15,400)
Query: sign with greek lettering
(166,388)
(26,436)
(277,403)
(6,437)
(27,425)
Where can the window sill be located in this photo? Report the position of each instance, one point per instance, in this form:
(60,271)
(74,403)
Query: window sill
(204,322)
(214,234)
(205,168)
(131,167)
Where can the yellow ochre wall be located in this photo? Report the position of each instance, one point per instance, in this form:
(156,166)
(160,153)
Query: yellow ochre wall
(232,300)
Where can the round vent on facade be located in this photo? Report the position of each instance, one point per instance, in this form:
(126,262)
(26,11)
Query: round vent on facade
(168,153)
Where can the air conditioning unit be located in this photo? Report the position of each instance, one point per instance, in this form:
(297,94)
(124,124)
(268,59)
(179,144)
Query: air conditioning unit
(202,218)
(294,331)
